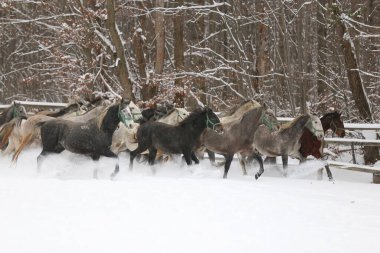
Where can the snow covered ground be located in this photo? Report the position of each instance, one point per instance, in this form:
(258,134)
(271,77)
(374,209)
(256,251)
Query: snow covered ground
(182,209)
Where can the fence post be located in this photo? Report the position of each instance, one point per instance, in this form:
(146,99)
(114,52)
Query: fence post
(376,178)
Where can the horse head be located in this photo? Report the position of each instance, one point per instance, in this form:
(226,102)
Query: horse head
(314,125)
(124,113)
(212,120)
(135,111)
(181,113)
(336,124)
(19,111)
(269,119)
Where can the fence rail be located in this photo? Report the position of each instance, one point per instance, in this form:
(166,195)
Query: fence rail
(36,104)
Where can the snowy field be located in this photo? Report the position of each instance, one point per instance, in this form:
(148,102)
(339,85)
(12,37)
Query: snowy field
(182,209)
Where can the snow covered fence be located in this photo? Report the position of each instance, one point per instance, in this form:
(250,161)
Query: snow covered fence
(360,168)
(348,126)
(36,104)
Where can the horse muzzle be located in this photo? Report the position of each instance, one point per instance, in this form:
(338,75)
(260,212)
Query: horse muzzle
(320,136)
(218,128)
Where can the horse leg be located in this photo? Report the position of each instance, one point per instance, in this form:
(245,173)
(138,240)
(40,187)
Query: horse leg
(227,164)
(110,154)
(134,153)
(328,171)
(95,157)
(211,157)
(187,154)
(152,155)
(258,157)
(41,157)
(241,159)
(285,164)
(194,157)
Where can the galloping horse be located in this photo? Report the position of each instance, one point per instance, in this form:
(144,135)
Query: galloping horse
(125,138)
(14,111)
(232,115)
(29,131)
(285,142)
(174,139)
(237,137)
(92,138)
(310,145)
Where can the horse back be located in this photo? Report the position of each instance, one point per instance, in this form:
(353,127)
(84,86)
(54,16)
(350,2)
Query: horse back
(170,139)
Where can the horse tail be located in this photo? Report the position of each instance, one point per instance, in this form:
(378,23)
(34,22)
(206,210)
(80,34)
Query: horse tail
(24,142)
(5,132)
(27,139)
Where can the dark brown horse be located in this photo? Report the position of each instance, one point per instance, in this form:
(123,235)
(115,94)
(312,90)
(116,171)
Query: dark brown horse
(310,145)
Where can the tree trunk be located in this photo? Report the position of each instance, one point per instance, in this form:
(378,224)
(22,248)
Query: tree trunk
(138,45)
(262,48)
(353,74)
(321,62)
(179,58)
(160,39)
(354,79)
(122,65)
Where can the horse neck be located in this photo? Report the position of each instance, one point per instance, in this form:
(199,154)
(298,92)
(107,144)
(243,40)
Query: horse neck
(7,115)
(296,129)
(196,126)
(326,123)
(111,120)
(247,125)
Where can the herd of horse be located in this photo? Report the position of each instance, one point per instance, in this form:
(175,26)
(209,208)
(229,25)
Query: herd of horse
(249,130)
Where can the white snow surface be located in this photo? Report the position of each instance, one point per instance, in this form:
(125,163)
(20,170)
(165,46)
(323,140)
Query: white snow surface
(182,209)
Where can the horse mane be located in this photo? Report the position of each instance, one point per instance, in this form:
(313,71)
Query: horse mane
(293,122)
(102,115)
(234,108)
(64,110)
(193,115)
(334,114)
(5,112)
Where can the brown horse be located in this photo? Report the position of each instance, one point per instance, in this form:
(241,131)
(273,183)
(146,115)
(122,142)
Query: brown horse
(310,145)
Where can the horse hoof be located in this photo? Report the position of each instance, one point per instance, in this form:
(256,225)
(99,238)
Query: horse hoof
(257,176)
(113,176)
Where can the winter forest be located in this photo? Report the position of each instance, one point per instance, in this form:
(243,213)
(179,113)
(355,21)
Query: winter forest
(296,56)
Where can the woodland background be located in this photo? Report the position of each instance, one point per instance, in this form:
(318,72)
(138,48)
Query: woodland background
(293,55)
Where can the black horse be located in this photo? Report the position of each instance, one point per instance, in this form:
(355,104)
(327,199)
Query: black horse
(174,139)
(92,138)
(16,110)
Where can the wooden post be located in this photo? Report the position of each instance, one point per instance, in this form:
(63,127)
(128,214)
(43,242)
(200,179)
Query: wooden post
(353,153)
(376,178)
